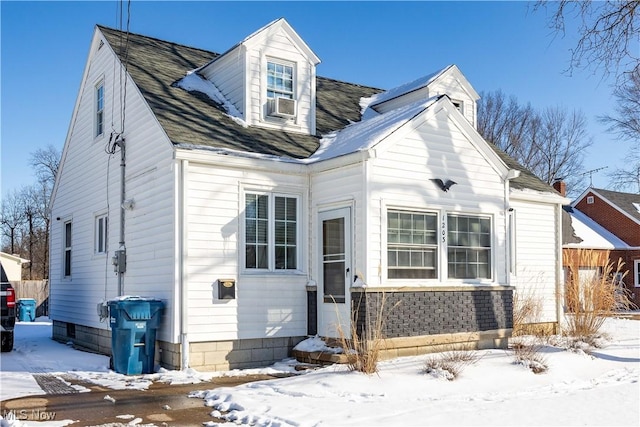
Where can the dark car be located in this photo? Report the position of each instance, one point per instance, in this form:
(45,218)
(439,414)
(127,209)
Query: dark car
(8,298)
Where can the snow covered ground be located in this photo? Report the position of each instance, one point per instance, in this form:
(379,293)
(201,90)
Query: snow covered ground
(602,388)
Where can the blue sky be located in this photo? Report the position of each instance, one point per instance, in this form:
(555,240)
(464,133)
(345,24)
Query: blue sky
(497,45)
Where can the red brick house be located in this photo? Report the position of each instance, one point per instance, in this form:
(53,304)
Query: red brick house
(618,214)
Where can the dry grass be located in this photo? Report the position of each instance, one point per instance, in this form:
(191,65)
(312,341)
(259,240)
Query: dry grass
(451,363)
(529,355)
(589,299)
(527,310)
(363,347)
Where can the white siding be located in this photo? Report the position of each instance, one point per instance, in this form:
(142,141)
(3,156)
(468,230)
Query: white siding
(279,46)
(338,188)
(89,184)
(227,73)
(401,178)
(449,85)
(266,305)
(536,254)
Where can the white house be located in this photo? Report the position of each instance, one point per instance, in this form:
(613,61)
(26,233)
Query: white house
(263,204)
(12,265)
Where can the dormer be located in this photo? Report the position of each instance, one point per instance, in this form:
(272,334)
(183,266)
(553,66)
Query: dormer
(270,77)
(448,81)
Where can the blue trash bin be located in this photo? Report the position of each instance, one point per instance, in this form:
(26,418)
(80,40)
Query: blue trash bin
(26,309)
(134,321)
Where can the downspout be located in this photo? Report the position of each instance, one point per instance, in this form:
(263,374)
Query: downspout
(511,174)
(559,269)
(182,256)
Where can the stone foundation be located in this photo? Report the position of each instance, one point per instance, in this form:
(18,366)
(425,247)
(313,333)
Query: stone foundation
(204,356)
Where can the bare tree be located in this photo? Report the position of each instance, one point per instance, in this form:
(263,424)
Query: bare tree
(626,124)
(560,146)
(549,143)
(607,33)
(12,218)
(45,162)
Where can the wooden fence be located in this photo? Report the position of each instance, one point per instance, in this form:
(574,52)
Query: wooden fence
(36,289)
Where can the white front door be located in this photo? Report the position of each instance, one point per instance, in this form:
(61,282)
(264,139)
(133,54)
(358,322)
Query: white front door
(334,303)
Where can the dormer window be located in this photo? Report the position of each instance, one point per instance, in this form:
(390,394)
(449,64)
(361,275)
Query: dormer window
(458,104)
(279,80)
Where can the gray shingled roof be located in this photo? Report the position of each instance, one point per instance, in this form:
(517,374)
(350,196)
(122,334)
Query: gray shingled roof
(624,201)
(193,118)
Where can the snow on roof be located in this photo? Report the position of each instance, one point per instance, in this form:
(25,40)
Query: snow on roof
(593,235)
(194,82)
(367,133)
(405,88)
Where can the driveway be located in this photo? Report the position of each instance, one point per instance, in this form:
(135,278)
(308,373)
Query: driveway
(159,405)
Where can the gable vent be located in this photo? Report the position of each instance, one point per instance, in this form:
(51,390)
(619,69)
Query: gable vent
(282,107)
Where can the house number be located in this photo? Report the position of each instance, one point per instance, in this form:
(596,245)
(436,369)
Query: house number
(444,231)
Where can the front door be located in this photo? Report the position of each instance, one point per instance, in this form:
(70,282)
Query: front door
(335,273)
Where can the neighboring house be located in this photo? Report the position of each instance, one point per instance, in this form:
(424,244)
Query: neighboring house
(264,204)
(610,221)
(13,266)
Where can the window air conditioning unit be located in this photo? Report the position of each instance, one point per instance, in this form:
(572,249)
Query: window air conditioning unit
(282,107)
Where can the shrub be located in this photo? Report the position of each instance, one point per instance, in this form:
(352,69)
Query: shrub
(450,364)
(362,347)
(526,311)
(590,298)
(529,355)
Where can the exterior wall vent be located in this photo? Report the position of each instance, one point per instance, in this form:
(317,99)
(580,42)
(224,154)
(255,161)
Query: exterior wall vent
(589,200)
(282,107)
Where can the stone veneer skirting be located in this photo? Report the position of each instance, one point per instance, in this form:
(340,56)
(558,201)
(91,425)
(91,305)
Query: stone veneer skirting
(408,312)
(213,355)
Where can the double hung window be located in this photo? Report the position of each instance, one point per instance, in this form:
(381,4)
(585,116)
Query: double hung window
(271,232)
(279,80)
(412,245)
(67,249)
(469,247)
(99,109)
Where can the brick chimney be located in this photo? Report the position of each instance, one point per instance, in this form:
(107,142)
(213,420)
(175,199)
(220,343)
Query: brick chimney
(560,187)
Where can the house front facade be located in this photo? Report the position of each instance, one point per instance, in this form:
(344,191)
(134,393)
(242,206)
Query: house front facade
(264,204)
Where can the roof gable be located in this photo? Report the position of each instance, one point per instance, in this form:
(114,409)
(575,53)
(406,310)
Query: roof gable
(623,202)
(422,83)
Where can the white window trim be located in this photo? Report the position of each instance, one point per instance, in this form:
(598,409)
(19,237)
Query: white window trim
(97,86)
(271,270)
(636,273)
(67,249)
(266,117)
(492,262)
(284,62)
(438,264)
(97,250)
(442,277)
